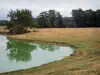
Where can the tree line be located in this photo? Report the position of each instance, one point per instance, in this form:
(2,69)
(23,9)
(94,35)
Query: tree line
(22,19)
(86,18)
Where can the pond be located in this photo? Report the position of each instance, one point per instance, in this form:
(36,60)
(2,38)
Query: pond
(16,55)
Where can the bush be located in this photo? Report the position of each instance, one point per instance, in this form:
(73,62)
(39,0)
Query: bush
(17,30)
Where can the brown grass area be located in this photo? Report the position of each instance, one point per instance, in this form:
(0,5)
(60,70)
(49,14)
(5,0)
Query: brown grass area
(63,34)
(84,61)
(2,31)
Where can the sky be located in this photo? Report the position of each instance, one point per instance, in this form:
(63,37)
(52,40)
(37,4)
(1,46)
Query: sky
(36,6)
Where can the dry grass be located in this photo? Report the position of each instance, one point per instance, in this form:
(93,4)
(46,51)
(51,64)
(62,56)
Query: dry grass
(2,29)
(85,60)
(63,34)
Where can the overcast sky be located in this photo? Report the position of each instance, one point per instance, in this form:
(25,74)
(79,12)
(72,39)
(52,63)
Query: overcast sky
(36,6)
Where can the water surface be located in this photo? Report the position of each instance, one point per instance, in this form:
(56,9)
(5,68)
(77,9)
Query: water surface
(15,55)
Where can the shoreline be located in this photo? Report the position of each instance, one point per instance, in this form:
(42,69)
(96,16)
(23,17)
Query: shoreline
(39,41)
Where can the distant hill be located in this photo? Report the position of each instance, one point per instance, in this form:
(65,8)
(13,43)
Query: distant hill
(69,21)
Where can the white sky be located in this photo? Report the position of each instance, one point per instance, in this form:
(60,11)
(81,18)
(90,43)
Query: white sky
(36,6)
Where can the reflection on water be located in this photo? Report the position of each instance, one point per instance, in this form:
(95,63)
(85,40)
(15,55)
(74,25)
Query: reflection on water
(49,47)
(17,55)
(21,51)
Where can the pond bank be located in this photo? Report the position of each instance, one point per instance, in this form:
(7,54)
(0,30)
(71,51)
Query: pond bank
(40,41)
(3,33)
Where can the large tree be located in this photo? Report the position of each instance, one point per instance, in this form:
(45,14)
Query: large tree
(50,19)
(43,19)
(89,18)
(78,16)
(59,21)
(19,21)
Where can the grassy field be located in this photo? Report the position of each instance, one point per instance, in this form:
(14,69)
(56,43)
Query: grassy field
(84,61)
(2,31)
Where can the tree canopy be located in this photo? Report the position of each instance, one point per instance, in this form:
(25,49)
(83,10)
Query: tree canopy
(86,18)
(19,19)
(50,19)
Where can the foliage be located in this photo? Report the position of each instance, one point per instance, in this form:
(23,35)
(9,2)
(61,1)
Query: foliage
(20,18)
(87,18)
(17,29)
(23,17)
(50,19)
(97,14)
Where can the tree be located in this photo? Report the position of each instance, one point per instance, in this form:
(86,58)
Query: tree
(78,16)
(87,18)
(20,19)
(59,21)
(42,19)
(97,18)
(50,19)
